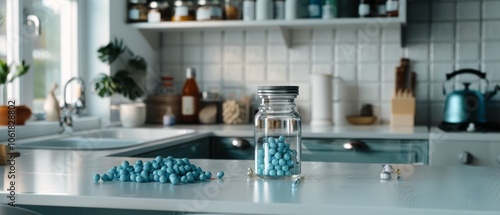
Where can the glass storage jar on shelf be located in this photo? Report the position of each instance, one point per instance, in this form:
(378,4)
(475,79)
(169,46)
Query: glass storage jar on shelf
(209,10)
(184,10)
(277,133)
(233,9)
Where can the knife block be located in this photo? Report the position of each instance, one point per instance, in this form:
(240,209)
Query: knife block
(402,111)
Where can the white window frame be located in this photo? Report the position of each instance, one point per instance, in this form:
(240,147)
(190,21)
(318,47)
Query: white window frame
(20,47)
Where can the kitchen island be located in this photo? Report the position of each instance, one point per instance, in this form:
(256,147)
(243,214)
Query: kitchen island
(63,178)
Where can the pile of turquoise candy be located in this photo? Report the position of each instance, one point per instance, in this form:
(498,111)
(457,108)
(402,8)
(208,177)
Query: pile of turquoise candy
(275,158)
(164,170)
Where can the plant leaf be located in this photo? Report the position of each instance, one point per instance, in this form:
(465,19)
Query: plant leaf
(21,70)
(137,63)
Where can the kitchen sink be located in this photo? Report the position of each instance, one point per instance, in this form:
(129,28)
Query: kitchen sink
(100,139)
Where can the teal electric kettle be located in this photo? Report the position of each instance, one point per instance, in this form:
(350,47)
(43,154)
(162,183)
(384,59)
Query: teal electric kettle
(466,105)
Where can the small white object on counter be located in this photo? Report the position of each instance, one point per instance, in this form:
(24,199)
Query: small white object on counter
(385,175)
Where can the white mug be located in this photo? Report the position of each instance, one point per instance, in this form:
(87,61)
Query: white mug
(132,115)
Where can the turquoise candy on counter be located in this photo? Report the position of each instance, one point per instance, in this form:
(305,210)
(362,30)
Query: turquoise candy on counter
(220,174)
(96,177)
(160,169)
(275,158)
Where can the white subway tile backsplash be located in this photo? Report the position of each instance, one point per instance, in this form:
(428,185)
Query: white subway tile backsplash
(418,32)
(439,71)
(172,38)
(321,69)
(418,11)
(277,73)
(323,36)
(277,53)
(442,51)
(191,38)
(275,37)
(233,54)
(322,53)
(301,36)
(212,54)
(441,36)
(419,52)
(391,52)
(255,36)
(493,70)
(443,11)
(468,10)
(387,91)
(304,109)
(442,31)
(345,53)
(299,72)
(300,54)
(491,30)
(172,54)
(233,75)
(422,92)
(212,72)
(255,53)
(346,72)
(389,71)
(490,10)
(369,92)
(468,51)
(391,34)
(233,37)
(436,92)
(421,69)
(468,31)
(191,54)
(212,37)
(255,73)
(369,72)
(346,35)
(369,34)
(491,51)
(369,52)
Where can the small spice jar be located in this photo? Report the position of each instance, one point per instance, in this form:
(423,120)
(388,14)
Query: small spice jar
(209,10)
(233,9)
(184,10)
(278,133)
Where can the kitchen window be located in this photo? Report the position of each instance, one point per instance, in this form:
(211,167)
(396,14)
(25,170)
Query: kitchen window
(44,33)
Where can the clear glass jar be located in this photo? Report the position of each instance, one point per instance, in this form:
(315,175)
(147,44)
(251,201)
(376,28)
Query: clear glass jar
(184,10)
(233,9)
(278,133)
(209,10)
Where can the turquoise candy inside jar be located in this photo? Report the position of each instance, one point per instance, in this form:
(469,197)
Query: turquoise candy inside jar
(276,158)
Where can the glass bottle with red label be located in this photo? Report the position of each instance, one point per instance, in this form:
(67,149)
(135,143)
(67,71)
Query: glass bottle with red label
(190,106)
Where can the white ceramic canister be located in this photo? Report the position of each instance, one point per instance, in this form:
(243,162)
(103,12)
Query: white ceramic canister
(321,99)
(132,115)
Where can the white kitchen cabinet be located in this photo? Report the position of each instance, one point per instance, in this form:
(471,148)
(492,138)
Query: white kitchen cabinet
(464,148)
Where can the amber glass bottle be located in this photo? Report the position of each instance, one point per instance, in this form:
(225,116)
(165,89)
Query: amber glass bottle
(190,98)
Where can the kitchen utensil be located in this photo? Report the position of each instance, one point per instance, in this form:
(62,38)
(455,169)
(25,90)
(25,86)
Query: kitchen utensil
(466,105)
(361,120)
(403,109)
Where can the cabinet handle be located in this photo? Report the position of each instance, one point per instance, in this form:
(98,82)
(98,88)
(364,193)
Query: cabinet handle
(464,157)
(354,145)
(240,143)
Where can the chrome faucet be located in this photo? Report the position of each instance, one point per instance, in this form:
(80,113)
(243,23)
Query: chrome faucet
(78,107)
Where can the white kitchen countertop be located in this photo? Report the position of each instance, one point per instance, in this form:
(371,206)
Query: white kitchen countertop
(64,178)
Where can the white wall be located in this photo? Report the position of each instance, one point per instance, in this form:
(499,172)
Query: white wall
(103,21)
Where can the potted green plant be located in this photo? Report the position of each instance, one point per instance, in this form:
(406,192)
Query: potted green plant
(131,114)
(22,112)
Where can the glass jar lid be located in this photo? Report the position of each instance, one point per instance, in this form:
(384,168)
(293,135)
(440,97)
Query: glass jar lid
(278,90)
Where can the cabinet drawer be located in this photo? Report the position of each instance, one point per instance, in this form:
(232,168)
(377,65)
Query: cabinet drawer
(465,153)
(198,149)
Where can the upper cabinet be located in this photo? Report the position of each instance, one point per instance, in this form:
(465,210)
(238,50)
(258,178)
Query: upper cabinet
(284,25)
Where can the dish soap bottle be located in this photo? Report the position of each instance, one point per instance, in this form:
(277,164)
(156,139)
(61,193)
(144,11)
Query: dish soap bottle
(169,117)
(51,106)
(190,101)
